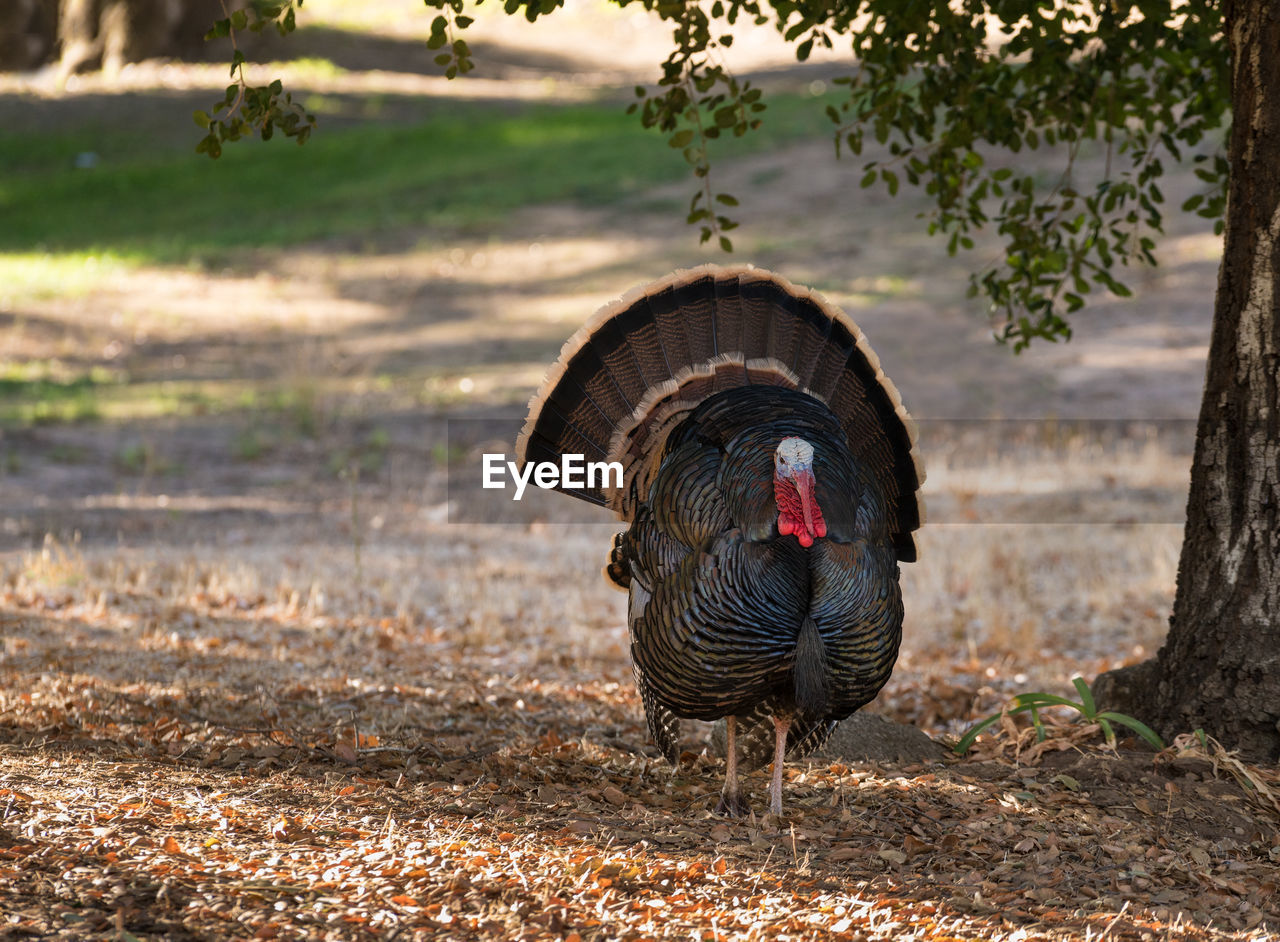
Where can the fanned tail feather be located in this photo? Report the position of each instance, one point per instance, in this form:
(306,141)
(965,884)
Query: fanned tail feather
(640,364)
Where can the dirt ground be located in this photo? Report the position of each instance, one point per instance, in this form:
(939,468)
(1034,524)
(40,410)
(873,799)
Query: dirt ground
(278,672)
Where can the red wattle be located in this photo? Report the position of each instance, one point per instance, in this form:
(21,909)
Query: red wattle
(798,510)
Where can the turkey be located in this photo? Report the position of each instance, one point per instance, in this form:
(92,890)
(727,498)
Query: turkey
(770,489)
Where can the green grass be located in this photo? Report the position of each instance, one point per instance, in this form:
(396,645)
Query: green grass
(36,393)
(145,201)
(465,169)
(36,275)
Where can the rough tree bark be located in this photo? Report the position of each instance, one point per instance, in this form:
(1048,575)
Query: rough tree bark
(1219,669)
(113,33)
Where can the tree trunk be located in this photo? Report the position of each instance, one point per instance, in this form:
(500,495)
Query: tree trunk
(115,29)
(78,36)
(1219,669)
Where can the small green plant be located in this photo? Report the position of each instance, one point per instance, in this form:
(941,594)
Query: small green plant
(446,454)
(1033,703)
(141,458)
(368,457)
(134,458)
(69,454)
(250,443)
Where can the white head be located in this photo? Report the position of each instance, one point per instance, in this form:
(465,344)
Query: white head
(793,454)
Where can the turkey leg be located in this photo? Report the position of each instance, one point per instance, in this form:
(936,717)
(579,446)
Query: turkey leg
(731,801)
(780,727)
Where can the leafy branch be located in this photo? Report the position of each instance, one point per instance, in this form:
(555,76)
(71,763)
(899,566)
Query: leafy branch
(1033,703)
(696,101)
(455,54)
(248,109)
(933,92)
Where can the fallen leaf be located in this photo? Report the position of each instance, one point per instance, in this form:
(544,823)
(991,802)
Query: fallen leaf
(346,753)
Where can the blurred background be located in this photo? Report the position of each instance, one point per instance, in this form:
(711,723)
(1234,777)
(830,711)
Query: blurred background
(256,386)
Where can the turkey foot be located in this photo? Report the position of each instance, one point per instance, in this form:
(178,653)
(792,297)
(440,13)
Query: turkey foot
(733,805)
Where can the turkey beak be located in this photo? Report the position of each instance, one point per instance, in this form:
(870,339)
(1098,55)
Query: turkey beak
(805,484)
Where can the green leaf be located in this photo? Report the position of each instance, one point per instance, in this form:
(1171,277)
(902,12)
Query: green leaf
(1139,727)
(971,735)
(1090,708)
(1107,732)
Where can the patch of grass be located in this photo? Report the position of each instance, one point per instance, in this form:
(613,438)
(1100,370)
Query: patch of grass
(56,564)
(142,458)
(38,393)
(367,457)
(448,454)
(464,169)
(1033,703)
(90,396)
(64,453)
(307,67)
(35,275)
(766,177)
(358,16)
(251,443)
(298,404)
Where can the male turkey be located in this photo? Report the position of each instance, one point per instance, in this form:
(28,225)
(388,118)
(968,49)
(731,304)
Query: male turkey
(770,487)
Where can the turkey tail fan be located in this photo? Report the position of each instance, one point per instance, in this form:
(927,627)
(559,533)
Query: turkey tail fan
(628,376)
